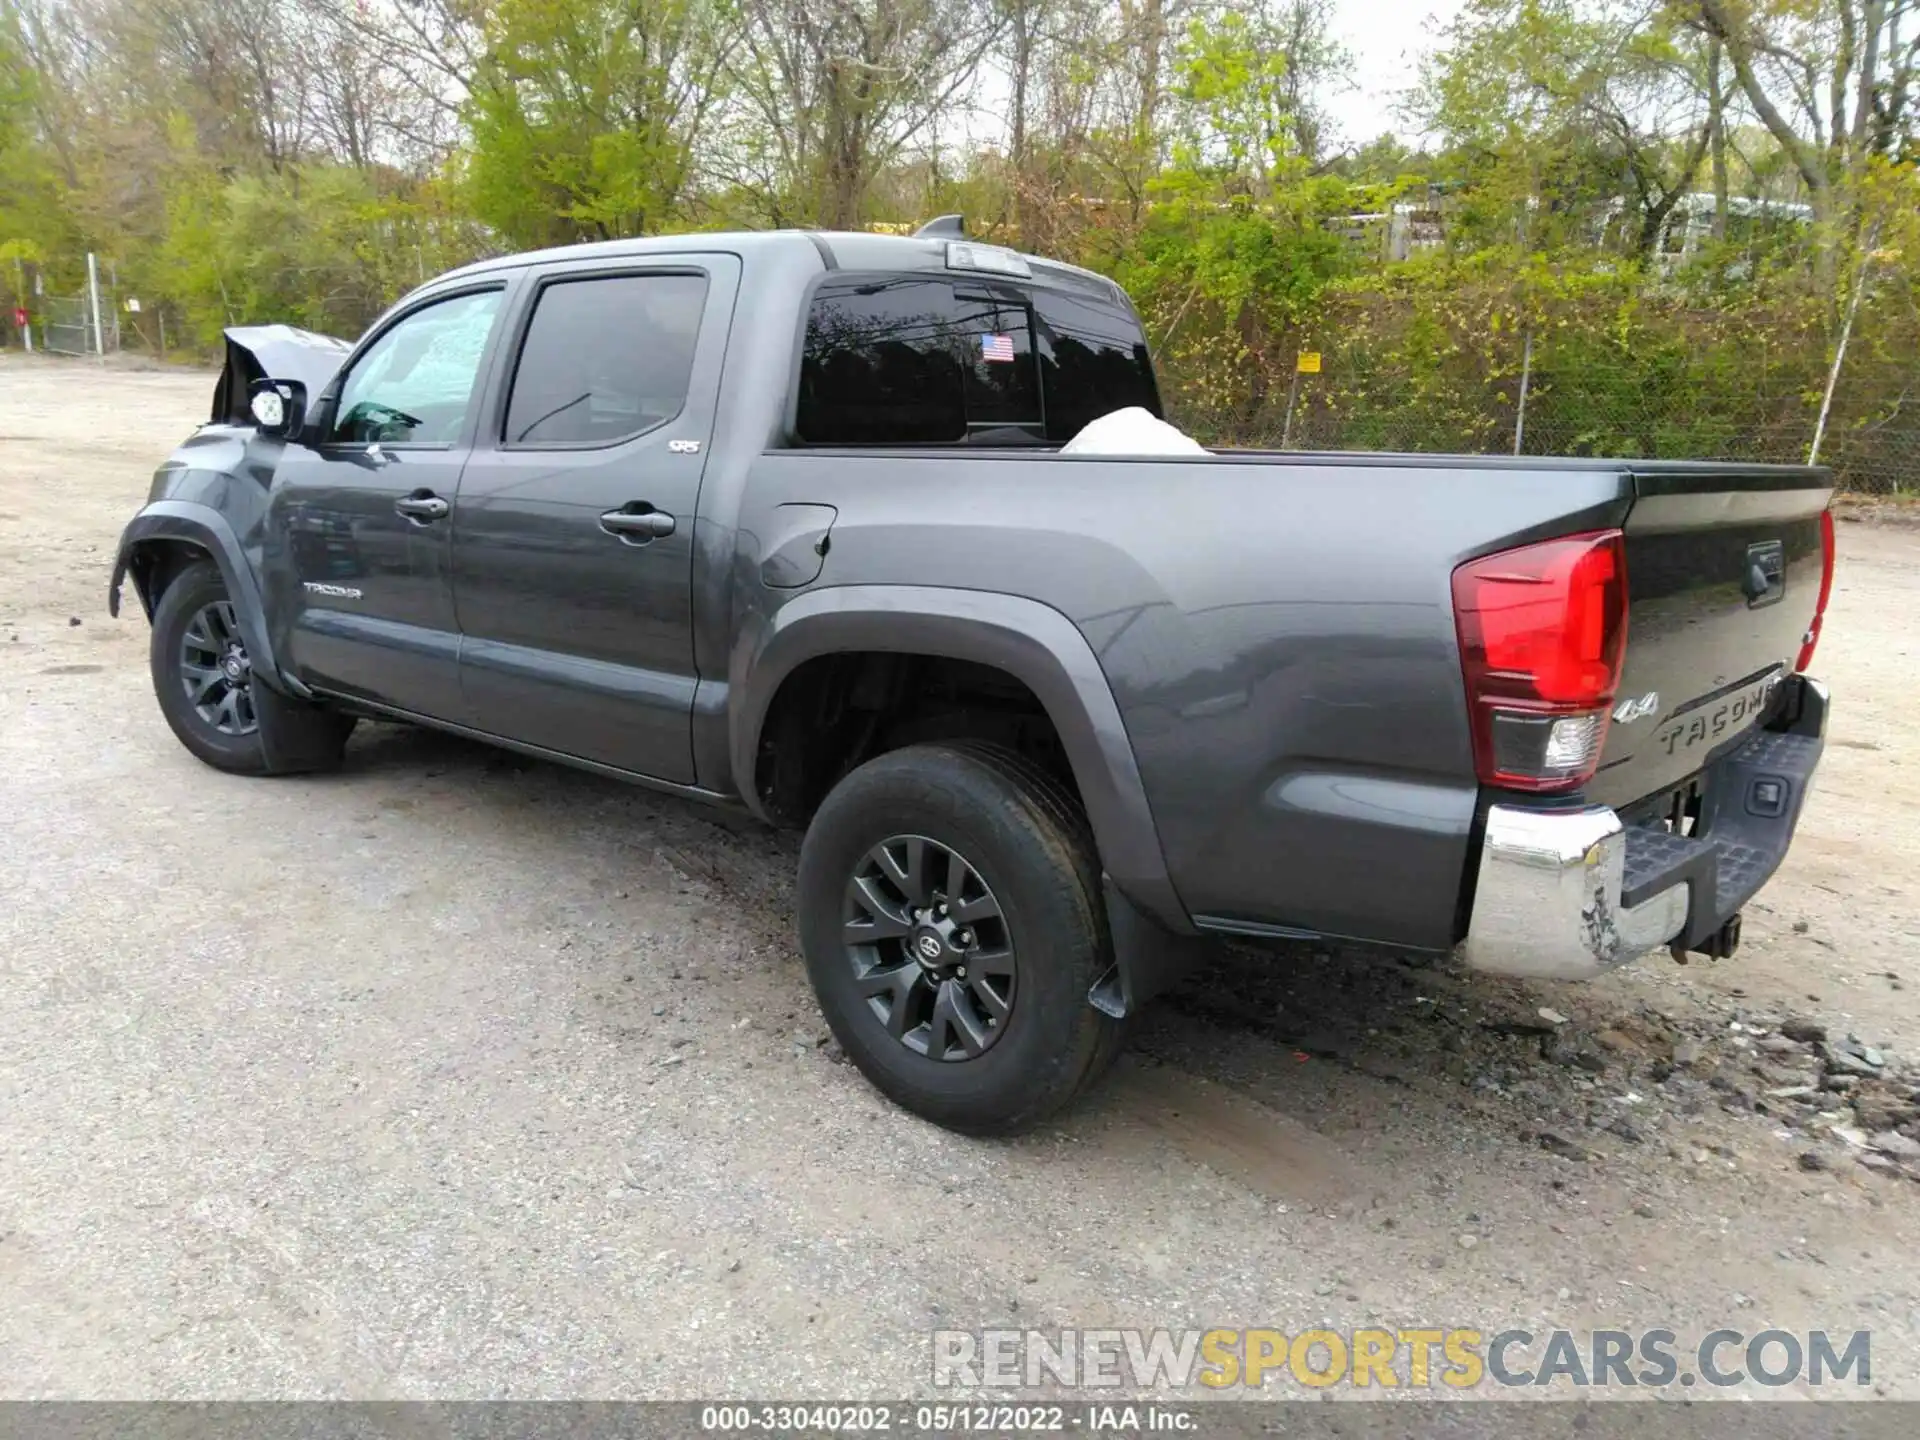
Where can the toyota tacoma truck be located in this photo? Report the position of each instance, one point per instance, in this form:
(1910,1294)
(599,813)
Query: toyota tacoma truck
(781,521)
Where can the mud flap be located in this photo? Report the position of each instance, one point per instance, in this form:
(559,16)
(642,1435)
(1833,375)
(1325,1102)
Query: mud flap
(1148,957)
(297,736)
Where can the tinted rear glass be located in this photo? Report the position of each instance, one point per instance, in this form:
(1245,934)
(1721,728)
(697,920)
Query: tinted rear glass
(1093,361)
(934,360)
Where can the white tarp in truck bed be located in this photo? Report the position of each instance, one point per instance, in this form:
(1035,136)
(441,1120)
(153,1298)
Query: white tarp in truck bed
(1132,432)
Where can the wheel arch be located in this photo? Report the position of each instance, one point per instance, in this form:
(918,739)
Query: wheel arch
(1031,642)
(152,549)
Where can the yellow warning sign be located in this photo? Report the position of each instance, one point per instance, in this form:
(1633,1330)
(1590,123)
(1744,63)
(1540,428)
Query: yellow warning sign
(1309,362)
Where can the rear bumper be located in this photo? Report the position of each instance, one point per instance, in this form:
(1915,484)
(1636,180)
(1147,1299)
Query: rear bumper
(1570,894)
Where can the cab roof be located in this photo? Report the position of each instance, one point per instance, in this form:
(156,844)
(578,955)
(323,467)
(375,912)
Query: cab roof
(836,249)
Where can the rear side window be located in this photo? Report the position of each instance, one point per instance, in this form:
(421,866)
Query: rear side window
(1093,361)
(912,360)
(605,358)
(940,360)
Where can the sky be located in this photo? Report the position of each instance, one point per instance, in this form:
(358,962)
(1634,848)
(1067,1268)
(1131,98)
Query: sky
(1387,38)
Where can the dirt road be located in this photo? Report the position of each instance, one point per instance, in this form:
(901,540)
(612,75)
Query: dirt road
(460,1075)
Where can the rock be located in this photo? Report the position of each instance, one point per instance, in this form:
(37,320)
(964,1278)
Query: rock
(1880,1108)
(1591,1062)
(1892,1142)
(1546,1012)
(1873,1057)
(1559,1145)
(1469,1242)
(659,1010)
(73,620)
(1839,1083)
(1807,1032)
(733,1266)
(1623,1127)
(1615,1040)
(1777,1045)
(1687,1053)
(1793,1092)
(1558,1049)
(1778,1075)
(1841,1061)
(1800,927)
(1325,1287)
(1812,1161)
(1646,1211)
(1880,1164)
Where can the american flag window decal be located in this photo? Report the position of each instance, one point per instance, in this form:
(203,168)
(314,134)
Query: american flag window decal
(997,349)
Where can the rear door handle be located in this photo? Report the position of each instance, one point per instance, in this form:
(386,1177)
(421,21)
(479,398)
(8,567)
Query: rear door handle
(422,507)
(635,526)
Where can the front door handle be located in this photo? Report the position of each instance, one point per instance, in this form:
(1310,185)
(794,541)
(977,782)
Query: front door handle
(423,507)
(636,526)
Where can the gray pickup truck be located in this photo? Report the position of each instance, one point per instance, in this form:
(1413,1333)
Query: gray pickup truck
(781,521)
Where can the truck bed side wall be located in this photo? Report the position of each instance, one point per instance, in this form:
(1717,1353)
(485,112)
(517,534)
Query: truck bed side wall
(1278,635)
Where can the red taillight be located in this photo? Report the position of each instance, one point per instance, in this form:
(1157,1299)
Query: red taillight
(1826,593)
(1542,632)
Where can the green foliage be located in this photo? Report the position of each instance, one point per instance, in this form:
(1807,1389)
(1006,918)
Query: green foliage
(318,248)
(585,115)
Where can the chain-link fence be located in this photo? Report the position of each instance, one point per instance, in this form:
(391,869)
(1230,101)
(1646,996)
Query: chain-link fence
(67,325)
(1765,412)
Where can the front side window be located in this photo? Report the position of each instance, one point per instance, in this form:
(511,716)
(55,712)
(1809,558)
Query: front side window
(415,383)
(605,359)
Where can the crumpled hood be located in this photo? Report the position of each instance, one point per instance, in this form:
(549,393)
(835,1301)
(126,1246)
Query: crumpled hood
(273,352)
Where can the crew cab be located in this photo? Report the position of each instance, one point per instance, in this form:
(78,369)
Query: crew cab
(784,521)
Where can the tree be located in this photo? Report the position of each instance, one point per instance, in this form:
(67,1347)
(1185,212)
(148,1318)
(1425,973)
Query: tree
(1833,83)
(1579,101)
(586,116)
(834,91)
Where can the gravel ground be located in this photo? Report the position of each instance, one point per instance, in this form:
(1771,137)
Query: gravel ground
(458,1075)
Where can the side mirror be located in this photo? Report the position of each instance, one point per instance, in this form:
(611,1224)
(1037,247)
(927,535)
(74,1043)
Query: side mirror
(279,407)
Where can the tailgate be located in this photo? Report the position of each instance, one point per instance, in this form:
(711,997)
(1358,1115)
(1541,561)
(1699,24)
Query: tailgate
(1724,564)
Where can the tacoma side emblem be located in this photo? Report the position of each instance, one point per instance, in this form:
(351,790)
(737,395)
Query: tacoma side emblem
(337,592)
(1629,711)
(683,447)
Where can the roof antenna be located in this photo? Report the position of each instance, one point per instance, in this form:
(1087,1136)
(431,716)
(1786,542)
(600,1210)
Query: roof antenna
(947,227)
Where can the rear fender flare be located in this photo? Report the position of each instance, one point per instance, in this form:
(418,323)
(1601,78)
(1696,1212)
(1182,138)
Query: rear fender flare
(207,529)
(1035,644)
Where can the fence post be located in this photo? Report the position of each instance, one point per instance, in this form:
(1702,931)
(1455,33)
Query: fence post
(1840,350)
(93,292)
(1526,379)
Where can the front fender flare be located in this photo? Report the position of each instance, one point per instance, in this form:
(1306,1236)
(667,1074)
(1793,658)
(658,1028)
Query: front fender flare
(207,529)
(1034,643)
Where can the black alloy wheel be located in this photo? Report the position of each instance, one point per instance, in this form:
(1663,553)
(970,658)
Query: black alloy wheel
(930,948)
(216,672)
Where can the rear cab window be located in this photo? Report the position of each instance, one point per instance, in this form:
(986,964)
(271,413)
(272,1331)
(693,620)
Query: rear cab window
(932,358)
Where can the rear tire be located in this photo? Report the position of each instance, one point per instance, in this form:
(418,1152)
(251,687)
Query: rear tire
(951,919)
(203,678)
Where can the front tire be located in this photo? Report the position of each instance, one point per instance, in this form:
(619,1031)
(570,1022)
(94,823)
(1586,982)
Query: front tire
(951,920)
(215,705)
